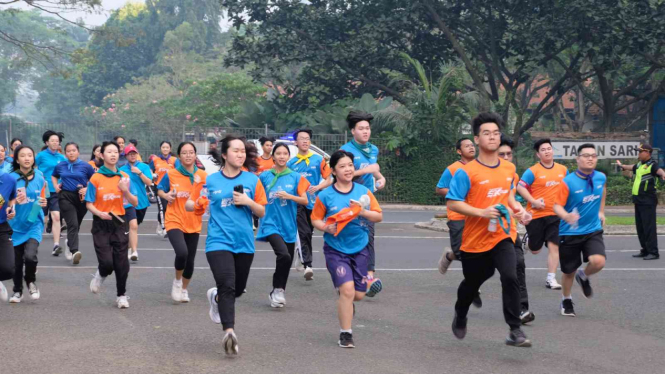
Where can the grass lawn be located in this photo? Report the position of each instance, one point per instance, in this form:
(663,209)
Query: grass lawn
(618,220)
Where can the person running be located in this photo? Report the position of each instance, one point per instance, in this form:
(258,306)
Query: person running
(7,212)
(234,196)
(646,201)
(581,207)
(526,316)
(265,161)
(159,166)
(135,143)
(12,148)
(368,173)
(5,162)
(539,186)
(342,213)
(314,168)
(46,161)
(96,157)
(104,197)
(120,140)
(28,224)
(483,191)
(183,228)
(467,152)
(286,191)
(140,176)
(73,175)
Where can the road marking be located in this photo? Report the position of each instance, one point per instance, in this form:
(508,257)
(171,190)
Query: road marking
(201,250)
(272,268)
(319,236)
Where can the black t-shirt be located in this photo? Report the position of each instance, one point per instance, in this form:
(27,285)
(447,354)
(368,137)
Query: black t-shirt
(647,191)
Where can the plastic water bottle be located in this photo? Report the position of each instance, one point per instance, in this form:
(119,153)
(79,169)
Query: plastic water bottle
(575,225)
(204,191)
(494,223)
(34,212)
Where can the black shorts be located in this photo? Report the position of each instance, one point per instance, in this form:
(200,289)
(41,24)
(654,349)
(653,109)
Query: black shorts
(571,246)
(455,229)
(132,213)
(52,204)
(543,230)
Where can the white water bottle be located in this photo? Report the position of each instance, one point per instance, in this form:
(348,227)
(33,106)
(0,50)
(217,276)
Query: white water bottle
(494,223)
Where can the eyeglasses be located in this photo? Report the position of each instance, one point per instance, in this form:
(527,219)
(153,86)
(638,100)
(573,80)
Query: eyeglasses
(589,155)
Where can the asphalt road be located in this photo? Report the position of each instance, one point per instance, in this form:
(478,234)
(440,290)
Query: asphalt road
(405,329)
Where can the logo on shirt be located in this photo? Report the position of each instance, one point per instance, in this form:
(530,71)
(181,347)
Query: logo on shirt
(599,186)
(495,192)
(485,181)
(579,191)
(552,184)
(542,177)
(110,197)
(590,198)
(227,202)
(182,194)
(560,175)
(363,165)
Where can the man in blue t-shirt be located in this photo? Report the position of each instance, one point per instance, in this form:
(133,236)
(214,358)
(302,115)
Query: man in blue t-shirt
(368,173)
(581,207)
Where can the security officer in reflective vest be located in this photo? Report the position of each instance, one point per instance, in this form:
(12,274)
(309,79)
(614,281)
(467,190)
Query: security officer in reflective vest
(645,199)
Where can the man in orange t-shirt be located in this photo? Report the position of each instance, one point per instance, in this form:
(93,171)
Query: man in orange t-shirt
(482,190)
(265,160)
(539,186)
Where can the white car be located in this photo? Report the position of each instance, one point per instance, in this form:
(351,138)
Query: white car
(211,168)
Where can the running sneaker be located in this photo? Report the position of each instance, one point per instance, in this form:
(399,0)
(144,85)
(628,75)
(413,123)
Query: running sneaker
(96,283)
(68,255)
(4,296)
(76,258)
(56,250)
(567,308)
(134,255)
(185,296)
(445,261)
(122,302)
(477,301)
(214,308)
(34,291)
(459,327)
(16,298)
(517,338)
(176,290)
(374,288)
(552,284)
(159,230)
(527,317)
(230,343)
(346,340)
(309,273)
(49,226)
(277,299)
(129,254)
(584,283)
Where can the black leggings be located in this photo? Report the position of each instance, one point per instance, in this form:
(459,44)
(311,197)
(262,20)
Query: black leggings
(305,232)
(284,253)
(25,253)
(111,245)
(72,210)
(163,205)
(185,250)
(6,252)
(230,271)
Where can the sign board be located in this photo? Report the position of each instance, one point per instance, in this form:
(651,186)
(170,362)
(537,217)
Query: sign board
(612,150)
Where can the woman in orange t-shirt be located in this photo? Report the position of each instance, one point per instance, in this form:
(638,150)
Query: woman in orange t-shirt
(182,227)
(159,166)
(107,190)
(96,157)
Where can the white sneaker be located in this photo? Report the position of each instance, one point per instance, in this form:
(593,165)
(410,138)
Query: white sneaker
(122,302)
(214,308)
(134,255)
(68,255)
(444,262)
(76,258)
(277,299)
(16,298)
(230,343)
(129,254)
(176,290)
(159,229)
(4,296)
(552,284)
(96,283)
(34,291)
(309,273)
(185,296)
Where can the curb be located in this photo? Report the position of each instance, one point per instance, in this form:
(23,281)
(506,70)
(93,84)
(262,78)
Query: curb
(442,208)
(439,225)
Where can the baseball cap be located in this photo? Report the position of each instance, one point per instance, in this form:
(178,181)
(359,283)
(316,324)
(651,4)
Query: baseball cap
(130,148)
(645,147)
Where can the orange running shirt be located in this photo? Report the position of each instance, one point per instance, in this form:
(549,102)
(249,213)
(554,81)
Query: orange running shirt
(161,166)
(543,183)
(94,166)
(264,164)
(104,194)
(482,186)
(444,182)
(176,216)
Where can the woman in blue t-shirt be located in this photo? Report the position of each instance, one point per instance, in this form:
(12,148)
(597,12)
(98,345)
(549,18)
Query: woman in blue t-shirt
(285,189)
(345,248)
(234,196)
(28,224)
(7,212)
